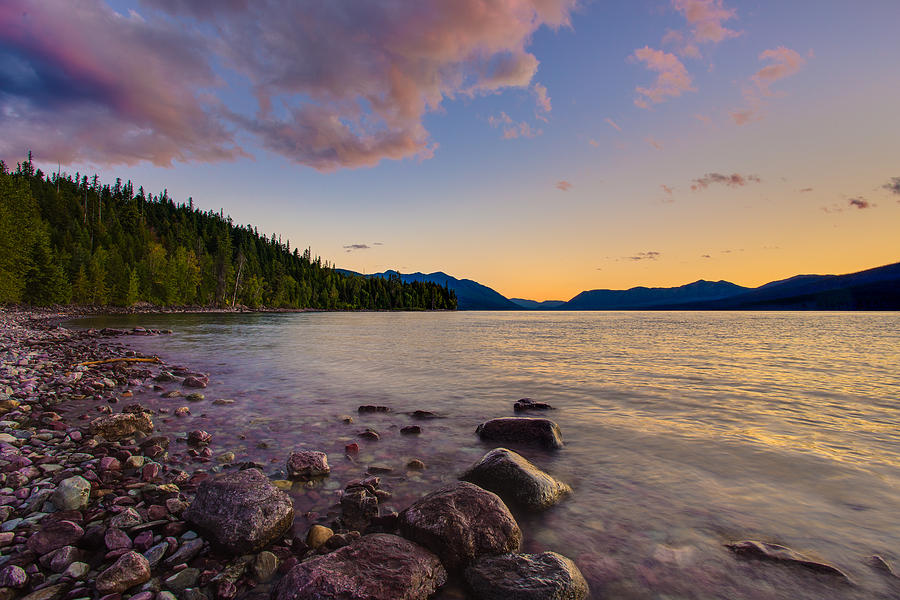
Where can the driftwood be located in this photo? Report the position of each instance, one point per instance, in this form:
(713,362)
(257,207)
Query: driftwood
(155,359)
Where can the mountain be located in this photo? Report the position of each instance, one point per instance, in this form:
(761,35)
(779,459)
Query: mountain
(872,289)
(470,295)
(535,305)
(644,297)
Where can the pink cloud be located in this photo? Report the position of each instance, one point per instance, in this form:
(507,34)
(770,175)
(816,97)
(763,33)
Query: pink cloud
(666,189)
(513,129)
(784,63)
(543,100)
(654,142)
(563,186)
(672,79)
(594,143)
(338,84)
(705,18)
(613,124)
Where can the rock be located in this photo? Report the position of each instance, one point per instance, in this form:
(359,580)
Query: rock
(379,470)
(460,523)
(129,570)
(359,505)
(14,577)
(374,567)
(369,408)
(415,465)
(182,411)
(64,557)
(73,493)
(194,382)
(55,535)
(526,404)
(241,511)
(318,535)
(195,397)
(199,437)
(524,430)
(411,430)
(122,425)
(423,414)
(156,553)
(52,592)
(370,434)
(187,552)
(351,449)
(879,564)
(305,464)
(77,570)
(782,554)
(513,478)
(116,539)
(126,519)
(544,576)
(172,394)
(182,580)
(264,566)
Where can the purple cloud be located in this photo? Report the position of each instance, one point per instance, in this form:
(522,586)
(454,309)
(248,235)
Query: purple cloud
(733,180)
(337,84)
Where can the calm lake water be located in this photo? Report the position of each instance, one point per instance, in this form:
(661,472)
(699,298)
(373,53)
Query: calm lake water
(683,431)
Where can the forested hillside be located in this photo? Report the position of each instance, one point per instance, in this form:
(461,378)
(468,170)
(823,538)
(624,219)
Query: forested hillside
(73,240)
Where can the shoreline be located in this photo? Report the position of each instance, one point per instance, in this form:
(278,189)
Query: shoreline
(98,505)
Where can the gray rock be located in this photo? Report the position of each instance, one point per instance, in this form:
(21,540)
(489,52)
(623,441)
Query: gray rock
(460,523)
(374,567)
(129,570)
(516,480)
(180,581)
(241,511)
(305,464)
(187,552)
(545,576)
(156,553)
(522,430)
(77,570)
(782,554)
(73,493)
(64,557)
(126,519)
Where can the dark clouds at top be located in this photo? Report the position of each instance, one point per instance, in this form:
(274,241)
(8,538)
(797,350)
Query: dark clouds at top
(337,84)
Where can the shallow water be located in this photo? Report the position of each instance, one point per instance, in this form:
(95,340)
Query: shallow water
(683,431)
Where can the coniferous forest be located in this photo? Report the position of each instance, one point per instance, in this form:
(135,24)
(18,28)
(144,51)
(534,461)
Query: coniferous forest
(74,240)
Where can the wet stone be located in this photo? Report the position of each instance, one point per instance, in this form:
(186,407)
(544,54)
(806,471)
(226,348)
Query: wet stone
(306,464)
(129,570)
(516,480)
(523,430)
(545,576)
(73,493)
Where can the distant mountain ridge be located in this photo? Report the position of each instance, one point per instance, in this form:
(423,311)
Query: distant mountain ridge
(470,295)
(644,297)
(872,289)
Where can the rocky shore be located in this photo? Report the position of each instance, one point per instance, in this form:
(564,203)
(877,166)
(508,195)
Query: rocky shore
(94,505)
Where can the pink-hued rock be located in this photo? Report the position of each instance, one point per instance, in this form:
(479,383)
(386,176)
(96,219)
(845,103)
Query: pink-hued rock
(305,464)
(241,511)
(461,522)
(374,567)
(122,425)
(194,382)
(55,535)
(129,570)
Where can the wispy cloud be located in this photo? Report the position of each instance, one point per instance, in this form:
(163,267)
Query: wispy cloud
(337,84)
(859,203)
(893,186)
(613,124)
(733,180)
(352,247)
(563,186)
(669,191)
(649,255)
(706,18)
(784,62)
(806,190)
(593,142)
(513,129)
(654,142)
(543,100)
(672,78)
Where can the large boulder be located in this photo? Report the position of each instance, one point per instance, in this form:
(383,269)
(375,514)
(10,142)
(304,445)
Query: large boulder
(461,522)
(306,464)
(544,576)
(241,512)
(122,425)
(375,567)
(522,430)
(513,478)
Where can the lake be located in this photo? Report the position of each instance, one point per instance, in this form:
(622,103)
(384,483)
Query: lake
(684,430)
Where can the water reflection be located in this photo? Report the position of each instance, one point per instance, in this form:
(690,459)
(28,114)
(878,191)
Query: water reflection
(684,430)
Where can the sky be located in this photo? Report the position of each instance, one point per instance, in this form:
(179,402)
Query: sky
(540,147)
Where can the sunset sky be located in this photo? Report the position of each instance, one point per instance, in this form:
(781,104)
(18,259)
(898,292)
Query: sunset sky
(541,147)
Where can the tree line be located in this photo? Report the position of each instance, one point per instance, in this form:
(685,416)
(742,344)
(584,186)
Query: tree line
(74,240)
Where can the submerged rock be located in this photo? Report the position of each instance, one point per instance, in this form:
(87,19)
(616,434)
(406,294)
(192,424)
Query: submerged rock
(122,425)
(305,464)
(460,523)
(782,554)
(526,404)
(374,567)
(371,408)
(241,511)
(524,430)
(514,479)
(544,576)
